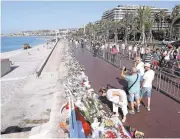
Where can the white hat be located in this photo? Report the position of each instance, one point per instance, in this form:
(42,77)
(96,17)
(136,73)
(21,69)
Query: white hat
(147,65)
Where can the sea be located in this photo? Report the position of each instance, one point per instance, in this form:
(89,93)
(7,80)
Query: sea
(15,43)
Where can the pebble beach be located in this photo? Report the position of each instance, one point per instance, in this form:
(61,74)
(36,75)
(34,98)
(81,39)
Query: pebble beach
(19,81)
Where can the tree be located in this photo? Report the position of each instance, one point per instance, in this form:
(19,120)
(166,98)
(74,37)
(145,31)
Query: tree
(89,30)
(161,17)
(127,23)
(157,20)
(106,26)
(144,16)
(175,15)
(168,20)
(149,25)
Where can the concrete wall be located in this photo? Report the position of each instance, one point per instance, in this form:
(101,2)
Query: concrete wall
(5,66)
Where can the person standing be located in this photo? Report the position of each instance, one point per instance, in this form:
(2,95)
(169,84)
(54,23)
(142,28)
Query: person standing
(147,58)
(156,58)
(119,99)
(106,47)
(147,84)
(123,47)
(82,43)
(102,50)
(114,52)
(76,44)
(140,67)
(133,88)
(96,49)
(135,50)
(130,51)
(142,52)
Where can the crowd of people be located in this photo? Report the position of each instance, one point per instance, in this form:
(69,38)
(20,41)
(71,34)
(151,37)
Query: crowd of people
(167,56)
(140,77)
(139,80)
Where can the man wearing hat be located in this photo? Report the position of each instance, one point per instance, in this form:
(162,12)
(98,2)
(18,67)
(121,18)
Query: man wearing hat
(147,83)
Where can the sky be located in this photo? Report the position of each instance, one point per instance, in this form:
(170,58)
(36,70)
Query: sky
(19,16)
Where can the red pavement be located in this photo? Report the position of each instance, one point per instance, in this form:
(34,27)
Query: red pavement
(163,121)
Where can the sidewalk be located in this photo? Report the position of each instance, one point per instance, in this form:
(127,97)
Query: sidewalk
(163,119)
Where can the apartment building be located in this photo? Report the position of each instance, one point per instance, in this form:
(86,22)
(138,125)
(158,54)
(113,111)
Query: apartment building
(119,12)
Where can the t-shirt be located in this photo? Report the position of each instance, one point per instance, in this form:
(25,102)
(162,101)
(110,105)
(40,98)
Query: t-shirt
(135,48)
(142,51)
(123,46)
(140,68)
(131,79)
(106,46)
(102,47)
(147,58)
(148,77)
(117,47)
(130,47)
(116,99)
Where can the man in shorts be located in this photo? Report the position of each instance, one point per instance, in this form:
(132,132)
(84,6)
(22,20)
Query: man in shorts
(133,87)
(147,84)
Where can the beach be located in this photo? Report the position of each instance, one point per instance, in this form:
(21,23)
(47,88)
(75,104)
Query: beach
(20,81)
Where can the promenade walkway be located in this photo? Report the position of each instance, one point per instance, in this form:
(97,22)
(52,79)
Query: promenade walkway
(163,121)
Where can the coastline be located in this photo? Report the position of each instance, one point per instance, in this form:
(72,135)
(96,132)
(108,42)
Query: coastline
(9,54)
(18,51)
(23,93)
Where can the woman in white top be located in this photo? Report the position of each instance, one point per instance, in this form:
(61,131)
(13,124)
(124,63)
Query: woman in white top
(119,99)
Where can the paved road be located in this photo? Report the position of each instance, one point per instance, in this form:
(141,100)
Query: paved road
(162,121)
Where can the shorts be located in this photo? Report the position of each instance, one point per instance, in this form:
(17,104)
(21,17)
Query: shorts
(155,63)
(141,78)
(146,90)
(133,96)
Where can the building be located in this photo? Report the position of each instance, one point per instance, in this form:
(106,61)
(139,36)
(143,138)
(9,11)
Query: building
(119,12)
(176,29)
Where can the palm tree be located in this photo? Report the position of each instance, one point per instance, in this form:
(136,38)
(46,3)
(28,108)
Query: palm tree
(106,26)
(89,30)
(157,20)
(135,27)
(168,20)
(144,15)
(149,25)
(79,32)
(175,15)
(127,23)
(161,17)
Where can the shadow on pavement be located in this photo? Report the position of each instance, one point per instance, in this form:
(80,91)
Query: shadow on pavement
(16,129)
